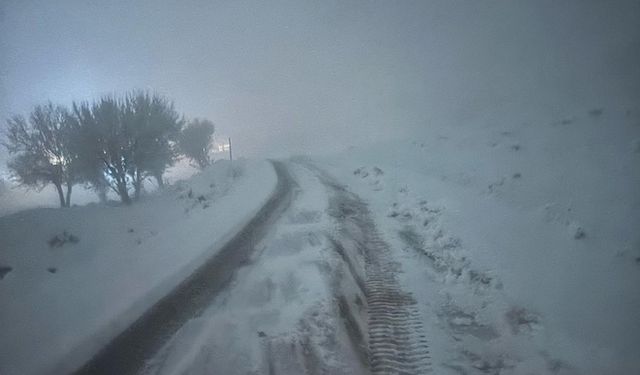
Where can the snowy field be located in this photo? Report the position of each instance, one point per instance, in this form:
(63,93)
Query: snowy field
(520,240)
(73,278)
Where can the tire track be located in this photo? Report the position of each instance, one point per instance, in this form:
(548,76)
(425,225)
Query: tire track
(396,340)
(397,343)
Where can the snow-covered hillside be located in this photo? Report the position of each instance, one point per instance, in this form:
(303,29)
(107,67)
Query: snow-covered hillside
(520,239)
(72,278)
(517,240)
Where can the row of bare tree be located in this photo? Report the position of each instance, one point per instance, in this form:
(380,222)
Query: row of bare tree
(114,143)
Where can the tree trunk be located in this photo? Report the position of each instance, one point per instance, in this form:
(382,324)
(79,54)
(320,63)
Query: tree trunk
(69,187)
(102,194)
(123,192)
(158,177)
(60,194)
(124,196)
(137,185)
(203,162)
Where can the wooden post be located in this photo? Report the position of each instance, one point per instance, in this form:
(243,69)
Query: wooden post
(230,154)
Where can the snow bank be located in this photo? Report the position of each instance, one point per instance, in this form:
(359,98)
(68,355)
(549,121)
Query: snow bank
(521,239)
(79,276)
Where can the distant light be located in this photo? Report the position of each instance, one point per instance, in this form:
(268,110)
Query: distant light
(55,159)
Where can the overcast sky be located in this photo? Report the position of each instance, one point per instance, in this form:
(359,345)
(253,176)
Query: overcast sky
(293,76)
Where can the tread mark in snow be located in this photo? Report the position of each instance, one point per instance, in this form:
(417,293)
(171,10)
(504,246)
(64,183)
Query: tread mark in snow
(397,343)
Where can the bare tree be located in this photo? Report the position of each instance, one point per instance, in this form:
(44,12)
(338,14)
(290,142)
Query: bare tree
(41,150)
(124,141)
(195,141)
(87,142)
(112,143)
(153,125)
(107,143)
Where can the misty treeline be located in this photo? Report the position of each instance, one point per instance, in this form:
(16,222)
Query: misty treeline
(114,143)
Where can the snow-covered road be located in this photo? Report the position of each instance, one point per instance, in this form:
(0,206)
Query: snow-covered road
(308,286)
(127,353)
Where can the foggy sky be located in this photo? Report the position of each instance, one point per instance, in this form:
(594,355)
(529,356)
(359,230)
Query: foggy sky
(286,77)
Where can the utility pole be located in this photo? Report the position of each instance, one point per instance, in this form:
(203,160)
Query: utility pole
(230,154)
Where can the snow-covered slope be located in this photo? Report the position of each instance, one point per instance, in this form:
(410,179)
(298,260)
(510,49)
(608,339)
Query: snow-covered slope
(80,275)
(520,239)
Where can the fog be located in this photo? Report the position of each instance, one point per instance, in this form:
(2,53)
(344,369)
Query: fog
(472,165)
(290,77)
